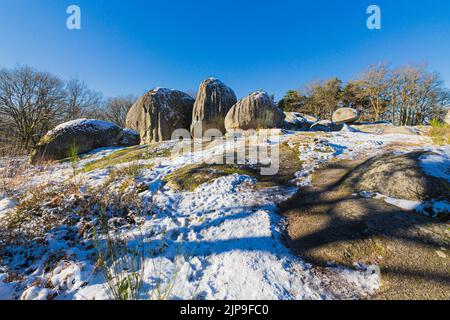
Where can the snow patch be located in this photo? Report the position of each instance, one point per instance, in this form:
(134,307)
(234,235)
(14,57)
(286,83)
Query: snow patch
(437,163)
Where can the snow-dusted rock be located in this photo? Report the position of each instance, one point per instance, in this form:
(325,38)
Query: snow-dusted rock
(158,113)
(214,100)
(83,135)
(129,138)
(326,125)
(295,120)
(345,115)
(256,111)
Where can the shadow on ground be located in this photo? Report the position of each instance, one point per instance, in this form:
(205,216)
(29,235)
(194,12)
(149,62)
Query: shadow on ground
(328,223)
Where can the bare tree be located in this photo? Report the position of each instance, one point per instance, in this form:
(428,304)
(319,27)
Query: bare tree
(375,86)
(116,109)
(31,103)
(416,96)
(323,98)
(81,101)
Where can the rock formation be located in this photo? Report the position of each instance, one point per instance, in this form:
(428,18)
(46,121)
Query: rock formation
(214,100)
(160,112)
(345,115)
(256,111)
(78,136)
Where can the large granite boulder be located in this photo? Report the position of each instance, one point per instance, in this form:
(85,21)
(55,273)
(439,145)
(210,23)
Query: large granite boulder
(214,100)
(256,111)
(345,115)
(158,113)
(80,136)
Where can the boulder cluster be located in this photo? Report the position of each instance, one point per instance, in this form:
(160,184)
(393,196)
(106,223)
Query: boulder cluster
(160,112)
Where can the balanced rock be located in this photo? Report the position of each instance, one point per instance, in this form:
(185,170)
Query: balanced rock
(256,111)
(345,115)
(79,136)
(214,100)
(158,113)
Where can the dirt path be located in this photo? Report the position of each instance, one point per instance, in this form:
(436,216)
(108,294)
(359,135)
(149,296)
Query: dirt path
(327,223)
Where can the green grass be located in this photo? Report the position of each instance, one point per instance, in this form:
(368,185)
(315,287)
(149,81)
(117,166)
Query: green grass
(439,133)
(128,155)
(191,177)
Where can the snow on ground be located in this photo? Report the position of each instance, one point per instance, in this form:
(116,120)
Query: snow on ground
(347,144)
(228,241)
(437,163)
(222,241)
(432,208)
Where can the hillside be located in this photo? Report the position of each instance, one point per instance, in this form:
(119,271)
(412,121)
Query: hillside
(145,222)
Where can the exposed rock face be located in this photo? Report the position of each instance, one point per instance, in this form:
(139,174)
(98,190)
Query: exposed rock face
(345,115)
(402,130)
(326,125)
(160,112)
(256,111)
(82,135)
(447,118)
(129,138)
(373,127)
(214,100)
(399,176)
(295,121)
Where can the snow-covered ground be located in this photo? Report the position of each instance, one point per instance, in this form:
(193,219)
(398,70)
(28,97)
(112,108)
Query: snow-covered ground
(221,241)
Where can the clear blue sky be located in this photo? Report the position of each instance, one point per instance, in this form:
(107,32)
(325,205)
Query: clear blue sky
(131,46)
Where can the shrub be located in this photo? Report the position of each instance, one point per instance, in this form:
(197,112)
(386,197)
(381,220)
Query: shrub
(439,132)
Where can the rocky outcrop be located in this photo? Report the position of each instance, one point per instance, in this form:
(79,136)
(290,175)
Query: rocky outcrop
(129,138)
(295,121)
(78,136)
(372,127)
(345,115)
(160,112)
(256,111)
(399,176)
(214,100)
(327,126)
(410,131)
(447,118)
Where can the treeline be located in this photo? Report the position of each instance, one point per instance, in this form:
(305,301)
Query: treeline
(405,96)
(33,102)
